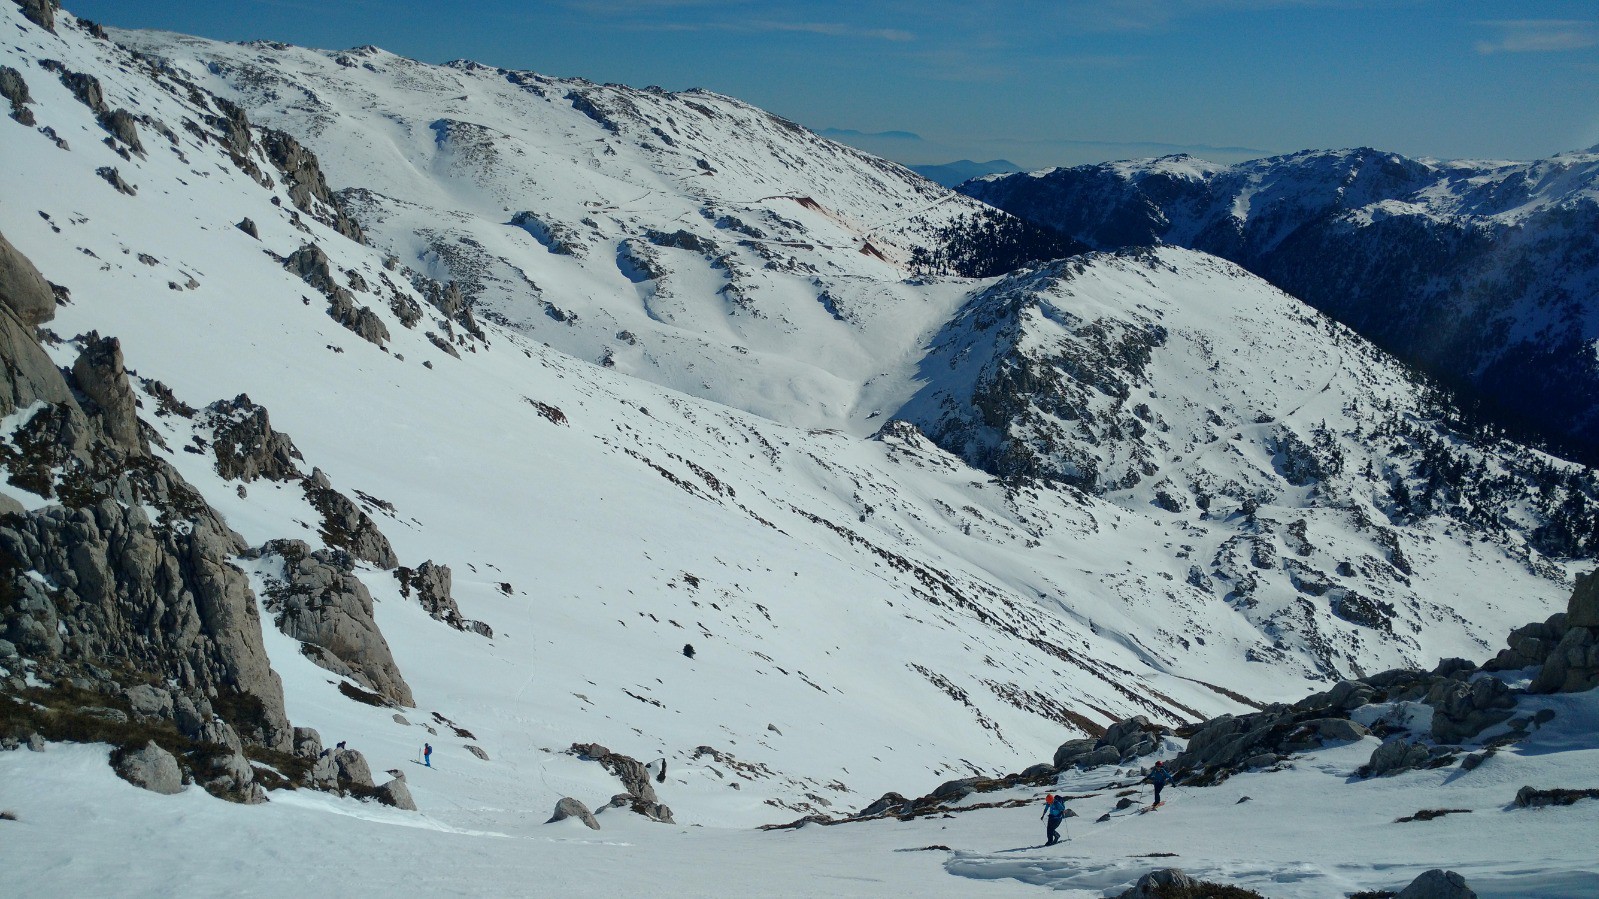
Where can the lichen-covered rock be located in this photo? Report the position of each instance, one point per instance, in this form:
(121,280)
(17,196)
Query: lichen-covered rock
(319,601)
(150,767)
(345,526)
(246,446)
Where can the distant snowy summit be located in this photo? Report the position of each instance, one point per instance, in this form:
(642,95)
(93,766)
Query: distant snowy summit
(1484,274)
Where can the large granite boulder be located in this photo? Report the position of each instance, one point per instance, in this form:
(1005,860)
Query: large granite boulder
(150,767)
(568,807)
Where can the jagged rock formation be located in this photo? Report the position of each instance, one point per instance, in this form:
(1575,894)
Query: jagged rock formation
(640,795)
(431,582)
(318,601)
(345,526)
(307,186)
(245,445)
(41,12)
(310,263)
(97,592)
(14,90)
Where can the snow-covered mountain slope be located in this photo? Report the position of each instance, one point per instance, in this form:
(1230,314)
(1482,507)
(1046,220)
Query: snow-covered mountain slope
(1481,273)
(865,612)
(686,238)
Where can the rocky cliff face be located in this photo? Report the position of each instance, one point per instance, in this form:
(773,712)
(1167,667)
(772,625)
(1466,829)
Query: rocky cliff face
(1482,274)
(117,588)
(120,579)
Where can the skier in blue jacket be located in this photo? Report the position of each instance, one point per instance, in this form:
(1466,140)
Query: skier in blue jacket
(1160,777)
(1054,812)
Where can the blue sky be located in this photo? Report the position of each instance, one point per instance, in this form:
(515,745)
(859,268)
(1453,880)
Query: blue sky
(1040,83)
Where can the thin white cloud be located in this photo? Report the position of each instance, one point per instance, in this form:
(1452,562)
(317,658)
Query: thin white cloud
(1539,36)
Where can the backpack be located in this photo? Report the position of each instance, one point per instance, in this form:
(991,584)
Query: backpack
(1057,808)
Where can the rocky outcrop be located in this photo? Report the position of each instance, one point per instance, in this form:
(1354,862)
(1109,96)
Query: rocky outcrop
(1532,797)
(96,585)
(307,186)
(245,445)
(1437,884)
(886,803)
(114,178)
(345,526)
(1394,756)
(431,583)
(1123,741)
(121,596)
(121,125)
(150,767)
(14,90)
(319,601)
(1462,710)
(1572,665)
(360,319)
(634,776)
(1172,883)
(101,377)
(568,807)
(311,264)
(23,290)
(40,12)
